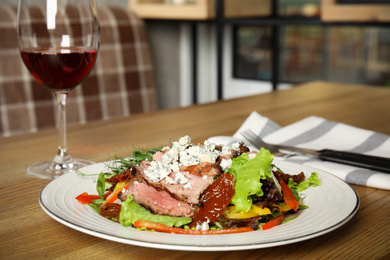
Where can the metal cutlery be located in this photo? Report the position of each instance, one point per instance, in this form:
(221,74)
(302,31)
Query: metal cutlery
(354,159)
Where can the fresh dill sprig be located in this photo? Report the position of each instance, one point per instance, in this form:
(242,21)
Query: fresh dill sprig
(119,165)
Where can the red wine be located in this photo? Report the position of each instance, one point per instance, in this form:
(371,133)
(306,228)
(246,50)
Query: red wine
(59,69)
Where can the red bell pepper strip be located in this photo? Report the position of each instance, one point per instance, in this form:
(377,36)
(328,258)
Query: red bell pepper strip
(289,198)
(163,228)
(86,198)
(274,222)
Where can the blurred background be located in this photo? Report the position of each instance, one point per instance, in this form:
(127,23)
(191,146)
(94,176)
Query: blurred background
(268,45)
(205,50)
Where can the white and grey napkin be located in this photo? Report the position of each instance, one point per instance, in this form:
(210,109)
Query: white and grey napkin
(318,133)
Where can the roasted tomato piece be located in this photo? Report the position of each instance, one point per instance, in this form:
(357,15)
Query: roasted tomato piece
(215,200)
(110,209)
(285,177)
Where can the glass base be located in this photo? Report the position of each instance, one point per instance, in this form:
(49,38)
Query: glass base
(52,170)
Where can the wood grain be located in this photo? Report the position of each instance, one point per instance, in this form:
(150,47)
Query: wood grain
(26,232)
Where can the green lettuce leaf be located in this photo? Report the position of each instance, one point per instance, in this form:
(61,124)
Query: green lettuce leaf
(248,173)
(101,185)
(313,180)
(131,211)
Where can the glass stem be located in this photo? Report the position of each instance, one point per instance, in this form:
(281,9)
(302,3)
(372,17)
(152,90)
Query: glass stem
(62,156)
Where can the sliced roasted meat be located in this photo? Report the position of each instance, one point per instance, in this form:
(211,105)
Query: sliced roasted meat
(157,201)
(186,185)
(189,191)
(203,169)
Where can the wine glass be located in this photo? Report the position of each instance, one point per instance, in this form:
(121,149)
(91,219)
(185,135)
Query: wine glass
(58,43)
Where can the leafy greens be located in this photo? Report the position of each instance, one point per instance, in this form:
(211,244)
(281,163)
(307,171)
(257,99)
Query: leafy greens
(248,173)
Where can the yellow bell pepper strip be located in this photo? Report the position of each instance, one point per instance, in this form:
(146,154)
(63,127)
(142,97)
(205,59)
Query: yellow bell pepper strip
(289,198)
(253,212)
(260,211)
(273,222)
(283,207)
(163,228)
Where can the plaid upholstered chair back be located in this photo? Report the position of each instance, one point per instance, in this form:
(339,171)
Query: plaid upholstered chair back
(121,83)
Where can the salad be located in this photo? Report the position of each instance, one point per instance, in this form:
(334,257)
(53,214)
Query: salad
(198,189)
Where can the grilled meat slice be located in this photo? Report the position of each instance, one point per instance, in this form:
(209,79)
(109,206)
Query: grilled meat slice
(204,169)
(186,185)
(157,201)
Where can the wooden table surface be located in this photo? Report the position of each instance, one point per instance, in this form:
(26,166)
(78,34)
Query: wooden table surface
(26,232)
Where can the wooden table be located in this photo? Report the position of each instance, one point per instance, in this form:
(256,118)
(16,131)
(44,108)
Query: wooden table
(27,232)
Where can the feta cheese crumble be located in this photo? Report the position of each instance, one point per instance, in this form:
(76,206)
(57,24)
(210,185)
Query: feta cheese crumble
(202,226)
(183,153)
(225,164)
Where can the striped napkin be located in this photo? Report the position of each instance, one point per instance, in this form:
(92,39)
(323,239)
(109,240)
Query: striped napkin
(318,133)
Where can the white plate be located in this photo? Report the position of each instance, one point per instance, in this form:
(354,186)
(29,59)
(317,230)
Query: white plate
(330,206)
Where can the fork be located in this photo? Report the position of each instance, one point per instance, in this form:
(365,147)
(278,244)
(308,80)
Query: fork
(273,148)
(359,160)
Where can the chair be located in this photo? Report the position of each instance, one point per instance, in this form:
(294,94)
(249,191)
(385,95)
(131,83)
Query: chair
(121,83)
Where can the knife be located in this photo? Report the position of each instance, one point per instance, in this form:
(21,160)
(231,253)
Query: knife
(354,159)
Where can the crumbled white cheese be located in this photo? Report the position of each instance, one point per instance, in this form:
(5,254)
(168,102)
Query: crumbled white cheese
(188,157)
(157,171)
(180,178)
(188,185)
(175,167)
(227,149)
(183,153)
(208,146)
(225,164)
(170,180)
(171,156)
(202,226)
(252,155)
(185,140)
(236,146)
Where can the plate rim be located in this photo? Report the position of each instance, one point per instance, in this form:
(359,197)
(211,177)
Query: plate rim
(152,244)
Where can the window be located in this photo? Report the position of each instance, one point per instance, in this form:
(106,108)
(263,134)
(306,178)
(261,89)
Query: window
(349,54)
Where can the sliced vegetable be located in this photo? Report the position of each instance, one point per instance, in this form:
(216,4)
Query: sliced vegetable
(162,228)
(283,207)
(86,198)
(118,188)
(289,198)
(231,212)
(260,211)
(273,222)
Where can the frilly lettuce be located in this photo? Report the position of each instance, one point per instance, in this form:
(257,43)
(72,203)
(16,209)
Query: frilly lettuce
(131,211)
(248,173)
(313,181)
